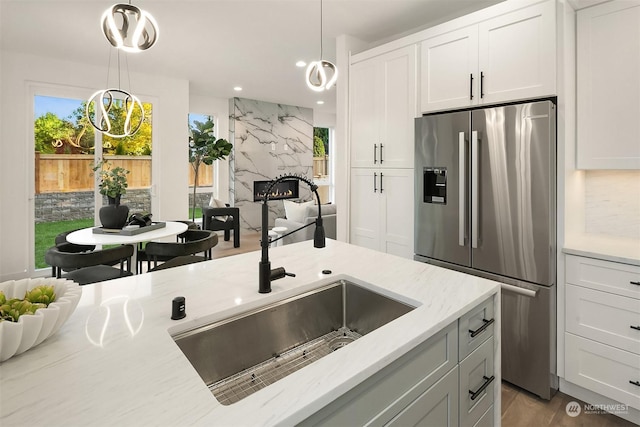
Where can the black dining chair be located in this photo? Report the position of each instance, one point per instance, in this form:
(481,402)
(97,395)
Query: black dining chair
(89,267)
(195,241)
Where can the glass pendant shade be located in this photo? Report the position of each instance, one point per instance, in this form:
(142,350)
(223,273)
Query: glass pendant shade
(129,28)
(103,101)
(321,75)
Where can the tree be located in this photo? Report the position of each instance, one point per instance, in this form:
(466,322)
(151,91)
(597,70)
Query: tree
(323,134)
(53,134)
(318,147)
(204,148)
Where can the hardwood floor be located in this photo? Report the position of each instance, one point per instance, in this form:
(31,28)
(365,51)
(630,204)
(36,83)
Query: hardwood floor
(519,408)
(248,242)
(523,409)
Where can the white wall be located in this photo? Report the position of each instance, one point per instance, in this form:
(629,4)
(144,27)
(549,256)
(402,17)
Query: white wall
(21,75)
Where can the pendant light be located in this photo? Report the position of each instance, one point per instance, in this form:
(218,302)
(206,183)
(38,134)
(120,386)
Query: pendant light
(321,75)
(103,100)
(129,28)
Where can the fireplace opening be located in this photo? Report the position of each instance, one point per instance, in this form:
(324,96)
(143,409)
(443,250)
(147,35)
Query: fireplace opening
(288,189)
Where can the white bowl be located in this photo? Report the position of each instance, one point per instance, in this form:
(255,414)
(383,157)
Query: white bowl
(31,330)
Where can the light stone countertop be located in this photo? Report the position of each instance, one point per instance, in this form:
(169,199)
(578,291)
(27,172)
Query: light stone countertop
(607,248)
(115,363)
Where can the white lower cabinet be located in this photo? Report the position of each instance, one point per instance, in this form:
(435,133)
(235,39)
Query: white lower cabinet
(602,328)
(437,406)
(429,386)
(603,369)
(382,210)
(477,379)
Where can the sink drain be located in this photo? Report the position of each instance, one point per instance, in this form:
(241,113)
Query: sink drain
(339,342)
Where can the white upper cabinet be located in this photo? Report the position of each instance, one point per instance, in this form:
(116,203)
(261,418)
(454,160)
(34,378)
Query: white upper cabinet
(382,106)
(449,66)
(505,58)
(609,86)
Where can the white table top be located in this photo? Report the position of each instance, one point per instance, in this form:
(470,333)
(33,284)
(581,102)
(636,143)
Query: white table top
(86,236)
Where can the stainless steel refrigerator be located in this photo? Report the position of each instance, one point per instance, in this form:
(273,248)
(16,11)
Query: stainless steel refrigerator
(486,205)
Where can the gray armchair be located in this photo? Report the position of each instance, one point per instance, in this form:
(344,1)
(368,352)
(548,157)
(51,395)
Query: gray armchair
(310,215)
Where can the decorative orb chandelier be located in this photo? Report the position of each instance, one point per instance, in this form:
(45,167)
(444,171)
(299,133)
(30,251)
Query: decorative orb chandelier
(321,75)
(103,101)
(129,28)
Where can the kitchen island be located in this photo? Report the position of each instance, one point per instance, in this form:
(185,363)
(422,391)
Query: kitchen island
(115,363)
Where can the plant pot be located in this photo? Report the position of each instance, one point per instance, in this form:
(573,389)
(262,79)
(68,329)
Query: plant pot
(114,215)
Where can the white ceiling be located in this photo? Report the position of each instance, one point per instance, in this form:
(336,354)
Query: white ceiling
(219,44)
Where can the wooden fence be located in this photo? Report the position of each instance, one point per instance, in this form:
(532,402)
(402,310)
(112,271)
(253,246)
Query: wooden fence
(62,173)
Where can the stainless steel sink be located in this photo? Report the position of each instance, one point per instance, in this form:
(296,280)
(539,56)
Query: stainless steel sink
(238,356)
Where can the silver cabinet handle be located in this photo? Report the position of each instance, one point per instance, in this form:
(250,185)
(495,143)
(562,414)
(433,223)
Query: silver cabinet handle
(380,179)
(461,189)
(518,290)
(381,156)
(375,176)
(375,153)
(474,189)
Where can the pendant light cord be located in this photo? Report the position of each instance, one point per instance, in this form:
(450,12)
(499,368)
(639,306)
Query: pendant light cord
(320,30)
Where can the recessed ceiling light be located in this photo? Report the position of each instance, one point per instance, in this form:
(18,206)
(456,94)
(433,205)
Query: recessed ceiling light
(237,88)
(301,64)
(320,102)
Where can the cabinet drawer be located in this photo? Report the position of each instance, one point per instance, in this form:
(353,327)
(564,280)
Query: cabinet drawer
(614,277)
(437,406)
(486,420)
(603,369)
(476,384)
(475,327)
(604,317)
(381,397)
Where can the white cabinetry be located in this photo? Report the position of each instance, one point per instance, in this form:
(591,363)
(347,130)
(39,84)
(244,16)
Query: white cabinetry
(505,58)
(602,321)
(382,105)
(609,86)
(432,385)
(382,210)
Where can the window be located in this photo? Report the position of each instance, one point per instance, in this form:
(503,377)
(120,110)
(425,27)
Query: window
(66,148)
(202,190)
(322,163)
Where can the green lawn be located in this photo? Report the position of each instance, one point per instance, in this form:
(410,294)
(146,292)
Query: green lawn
(46,233)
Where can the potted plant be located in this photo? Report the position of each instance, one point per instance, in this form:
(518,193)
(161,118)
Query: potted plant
(113,184)
(204,148)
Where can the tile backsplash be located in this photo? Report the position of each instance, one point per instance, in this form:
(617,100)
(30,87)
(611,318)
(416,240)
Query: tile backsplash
(612,200)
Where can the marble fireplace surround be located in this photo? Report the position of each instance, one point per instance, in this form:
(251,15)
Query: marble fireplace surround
(269,140)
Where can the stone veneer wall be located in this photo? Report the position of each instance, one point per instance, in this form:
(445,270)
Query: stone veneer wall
(51,207)
(269,140)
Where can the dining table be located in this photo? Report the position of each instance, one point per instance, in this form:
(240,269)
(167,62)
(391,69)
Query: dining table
(89,236)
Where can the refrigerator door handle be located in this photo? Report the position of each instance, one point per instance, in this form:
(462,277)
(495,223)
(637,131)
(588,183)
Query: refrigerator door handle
(474,189)
(461,190)
(518,290)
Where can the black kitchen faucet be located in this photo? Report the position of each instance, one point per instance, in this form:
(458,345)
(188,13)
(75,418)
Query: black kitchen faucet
(266,273)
